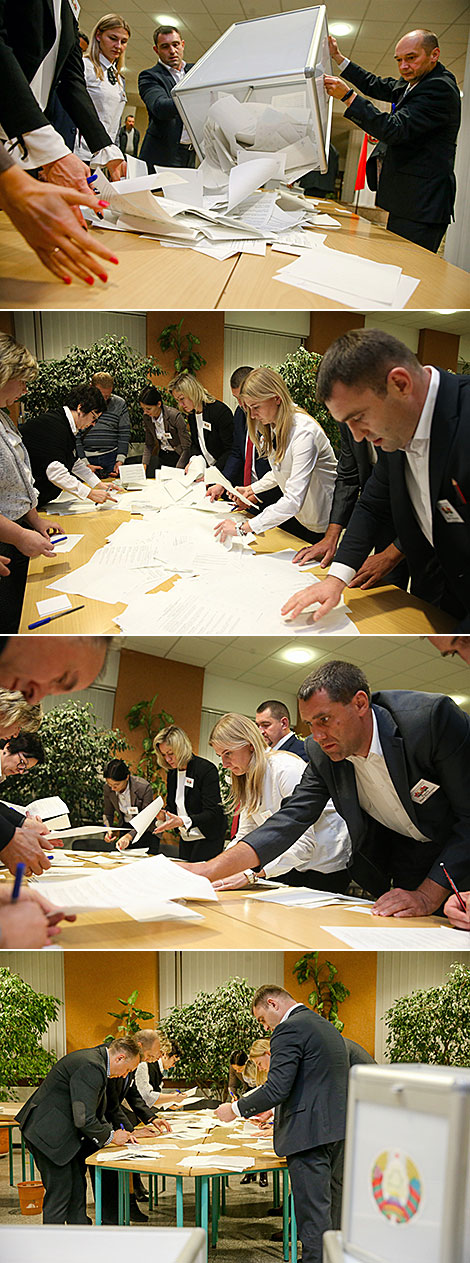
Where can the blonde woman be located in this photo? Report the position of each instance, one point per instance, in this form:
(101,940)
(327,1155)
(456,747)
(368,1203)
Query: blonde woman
(261,779)
(17,715)
(210,422)
(194,805)
(301,457)
(103,64)
(259,1054)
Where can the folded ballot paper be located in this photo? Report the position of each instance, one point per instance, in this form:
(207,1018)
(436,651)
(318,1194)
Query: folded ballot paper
(53,811)
(145,890)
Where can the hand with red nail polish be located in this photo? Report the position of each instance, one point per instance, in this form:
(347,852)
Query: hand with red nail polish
(44,215)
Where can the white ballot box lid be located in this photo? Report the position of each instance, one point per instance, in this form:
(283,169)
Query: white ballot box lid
(406,1194)
(51,1244)
(278,60)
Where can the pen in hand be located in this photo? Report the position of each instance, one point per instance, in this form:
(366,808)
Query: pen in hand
(454,887)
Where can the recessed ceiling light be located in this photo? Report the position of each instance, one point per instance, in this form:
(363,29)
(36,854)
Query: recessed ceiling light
(339,28)
(297,654)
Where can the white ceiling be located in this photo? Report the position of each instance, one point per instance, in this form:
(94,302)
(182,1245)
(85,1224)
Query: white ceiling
(390,662)
(376,27)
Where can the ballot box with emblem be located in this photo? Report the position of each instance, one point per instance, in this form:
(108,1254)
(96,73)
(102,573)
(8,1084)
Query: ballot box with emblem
(48,1244)
(264,80)
(406,1193)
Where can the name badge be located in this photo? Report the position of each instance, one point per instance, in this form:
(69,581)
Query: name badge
(189,781)
(206,425)
(75,7)
(167,436)
(133,811)
(449,513)
(423,790)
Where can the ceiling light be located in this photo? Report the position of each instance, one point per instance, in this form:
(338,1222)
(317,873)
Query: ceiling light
(339,28)
(459,698)
(298,655)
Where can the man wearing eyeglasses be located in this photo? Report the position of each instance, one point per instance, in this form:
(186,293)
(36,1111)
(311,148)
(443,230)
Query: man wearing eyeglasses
(51,442)
(20,754)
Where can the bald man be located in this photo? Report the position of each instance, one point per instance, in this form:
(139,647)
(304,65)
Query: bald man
(416,183)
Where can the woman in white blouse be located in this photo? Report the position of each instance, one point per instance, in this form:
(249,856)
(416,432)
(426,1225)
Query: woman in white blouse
(261,779)
(103,65)
(301,457)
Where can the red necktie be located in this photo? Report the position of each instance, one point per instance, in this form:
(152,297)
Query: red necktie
(248,463)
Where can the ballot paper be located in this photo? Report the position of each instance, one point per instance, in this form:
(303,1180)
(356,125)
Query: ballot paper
(45,808)
(303,897)
(226,1163)
(383,938)
(145,818)
(349,279)
(66,545)
(53,605)
(132,475)
(143,889)
(212,475)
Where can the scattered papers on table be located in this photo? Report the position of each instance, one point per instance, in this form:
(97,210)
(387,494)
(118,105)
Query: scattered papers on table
(145,890)
(382,938)
(53,605)
(349,279)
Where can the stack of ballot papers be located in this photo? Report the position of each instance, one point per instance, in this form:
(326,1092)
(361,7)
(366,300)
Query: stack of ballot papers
(146,890)
(349,279)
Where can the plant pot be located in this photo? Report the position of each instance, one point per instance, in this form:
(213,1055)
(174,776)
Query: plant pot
(31,1195)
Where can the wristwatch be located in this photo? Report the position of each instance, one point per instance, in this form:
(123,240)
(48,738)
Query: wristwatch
(252,877)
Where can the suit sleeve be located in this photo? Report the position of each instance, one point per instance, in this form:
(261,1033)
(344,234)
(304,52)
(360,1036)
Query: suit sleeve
(160,105)
(423,114)
(297,813)
(10,820)
(381,89)
(225,432)
(235,462)
(450,755)
(184,439)
(143,1112)
(287,1050)
(150,442)
(372,510)
(347,485)
(86,1086)
(108,805)
(211,809)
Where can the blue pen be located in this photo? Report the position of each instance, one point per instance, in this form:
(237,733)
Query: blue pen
(41,622)
(57,539)
(20,868)
(91,178)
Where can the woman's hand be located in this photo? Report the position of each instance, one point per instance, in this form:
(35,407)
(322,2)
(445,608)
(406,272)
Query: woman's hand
(236,882)
(124,841)
(170,822)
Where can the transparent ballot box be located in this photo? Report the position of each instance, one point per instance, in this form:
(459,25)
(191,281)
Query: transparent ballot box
(53,1244)
(406,1196)
(277,61)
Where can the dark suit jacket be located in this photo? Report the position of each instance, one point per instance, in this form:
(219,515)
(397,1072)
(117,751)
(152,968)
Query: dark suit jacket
(122,141)
(141,795)
(163,135)
(423,736)
(307,1084)
(48,437)
(10,820)
(385,503)
(295,746)
(218,437)
(69,1105)
(235,463)
(125,1088)
(417,177)
(23,45)
(176,425)
(202,800)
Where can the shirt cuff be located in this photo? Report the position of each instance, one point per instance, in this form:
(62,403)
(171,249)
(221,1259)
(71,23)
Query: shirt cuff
(42,145)
(345,62)
(235,1108)
(60,476)
(82,470)
(109,1140)
(120,458)
(339,571)
(108,154)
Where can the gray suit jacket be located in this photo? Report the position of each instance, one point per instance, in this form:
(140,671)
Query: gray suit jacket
(141,795)
(69,1105)
(307,1084)
(423,736)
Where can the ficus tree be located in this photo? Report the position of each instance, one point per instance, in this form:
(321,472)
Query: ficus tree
(432,1026)
(26,1015)
(209,1029)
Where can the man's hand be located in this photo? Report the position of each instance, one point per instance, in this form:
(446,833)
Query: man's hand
(123,1137)
(27,846)
(410,903)
(154,1129)
(36,544)
(215,492)
(455,913)
(323,552)
(4,566)
(336,87)
(117,169)
(334,50)
(225,1113)
(325,594)
(236,882)
(24,924)
(375,567)
(99,495)
(225,530)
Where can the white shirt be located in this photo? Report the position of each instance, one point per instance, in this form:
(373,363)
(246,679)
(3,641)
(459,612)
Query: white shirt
(306,476)
(416,473)
(210,460)
(144,1086)
(60,476)
(130,140)
(282,742)
(108,99)
(325,846)
(44,144)
(177,75)
(188,832)
(376,792)
(163,436)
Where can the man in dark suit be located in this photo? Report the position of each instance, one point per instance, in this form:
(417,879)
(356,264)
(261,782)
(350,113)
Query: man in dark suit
(307,1086)
(396,766)
(273,720)
(416,183)
(419,418)
(50,439)
(166,142)
(129,136)
(24,49)
(65,1119)
(355,464)
(119,1091)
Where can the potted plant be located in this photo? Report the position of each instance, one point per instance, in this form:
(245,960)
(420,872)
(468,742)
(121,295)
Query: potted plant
(209,1029)
(432,1026)
(130,1018)
(327,991)
(186,358)
(142,715)
(299,371)
(26,1015)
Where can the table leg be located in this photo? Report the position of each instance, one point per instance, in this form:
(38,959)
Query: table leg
(285,1215)
(215,1208)
(120,1198)
(276,1189)
(23,1158)
(197,1201)
(293,1230)
(31,1167)
(179,1201)
(163,1183)
(223,1197)
(127,1197)
(205,1202)
(98,1195)
(151,1193)
(155,1188)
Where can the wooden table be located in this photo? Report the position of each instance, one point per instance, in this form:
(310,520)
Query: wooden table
(233,920)
(386,609)
(167,1165)
(147,273)
(8,1121)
